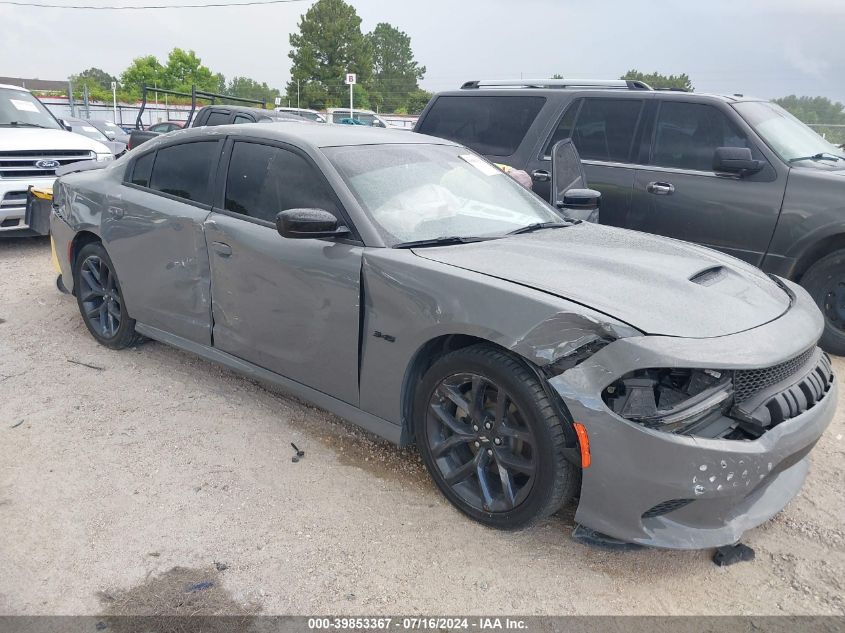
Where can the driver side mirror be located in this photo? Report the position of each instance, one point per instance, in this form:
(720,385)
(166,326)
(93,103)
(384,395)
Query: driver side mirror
(309,224)
(581,204)
(65,125)
(736,160)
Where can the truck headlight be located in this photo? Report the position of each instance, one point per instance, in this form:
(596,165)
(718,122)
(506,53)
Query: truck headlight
(104,158)
(671,400)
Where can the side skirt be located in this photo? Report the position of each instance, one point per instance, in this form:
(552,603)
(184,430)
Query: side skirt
(374,424)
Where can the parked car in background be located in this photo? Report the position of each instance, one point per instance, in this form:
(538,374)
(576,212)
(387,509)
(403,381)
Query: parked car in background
(81,126)
(219,115)
(733,173)
(342,116)
(407,284)
(112,131)
(33,144)
(163,127)
(311,115)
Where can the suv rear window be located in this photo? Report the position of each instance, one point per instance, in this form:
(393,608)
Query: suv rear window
(494,126)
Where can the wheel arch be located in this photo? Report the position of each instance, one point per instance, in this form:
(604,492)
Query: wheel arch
(437,347)
(79,241)
(814,252)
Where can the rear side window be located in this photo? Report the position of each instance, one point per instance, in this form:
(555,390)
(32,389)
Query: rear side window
(688,135)
(564,127)
(242,118)
(605,129)
(217,118)
(264,180)
(184,170)
(494,126)
(142,170)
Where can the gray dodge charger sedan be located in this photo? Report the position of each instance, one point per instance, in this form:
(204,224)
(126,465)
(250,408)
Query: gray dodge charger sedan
(406,284)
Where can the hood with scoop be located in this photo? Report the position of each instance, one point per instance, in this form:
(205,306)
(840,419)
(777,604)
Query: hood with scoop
(657,285)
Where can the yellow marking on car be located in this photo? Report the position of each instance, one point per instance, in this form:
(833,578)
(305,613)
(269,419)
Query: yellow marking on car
(54,257)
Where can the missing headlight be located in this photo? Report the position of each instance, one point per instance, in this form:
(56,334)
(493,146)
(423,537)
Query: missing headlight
(672,400)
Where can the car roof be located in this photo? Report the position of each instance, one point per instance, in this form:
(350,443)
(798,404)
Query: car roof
(306,134)
(14,87)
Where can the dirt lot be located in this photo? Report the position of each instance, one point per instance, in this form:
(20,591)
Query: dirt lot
(110,478)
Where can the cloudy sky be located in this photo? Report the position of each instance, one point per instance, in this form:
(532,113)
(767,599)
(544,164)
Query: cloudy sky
(768,48)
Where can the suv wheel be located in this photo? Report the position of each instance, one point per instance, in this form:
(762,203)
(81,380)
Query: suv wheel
(825,281)
(491,439)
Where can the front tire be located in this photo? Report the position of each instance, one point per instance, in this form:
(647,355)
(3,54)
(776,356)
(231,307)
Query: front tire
(491,439)
(825,281)
(100,299)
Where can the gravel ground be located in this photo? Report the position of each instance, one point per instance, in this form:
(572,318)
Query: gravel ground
(154,465)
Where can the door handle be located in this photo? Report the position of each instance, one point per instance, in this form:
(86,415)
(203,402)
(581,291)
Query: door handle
(224,250)
(541,175)
(117,212)
(661,188)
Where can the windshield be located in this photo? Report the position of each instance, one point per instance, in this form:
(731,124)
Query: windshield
(785,134)
(86,129)
(423,192)
(19,108)
(107,125)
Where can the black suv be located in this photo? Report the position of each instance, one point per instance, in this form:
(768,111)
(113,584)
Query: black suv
(733,173)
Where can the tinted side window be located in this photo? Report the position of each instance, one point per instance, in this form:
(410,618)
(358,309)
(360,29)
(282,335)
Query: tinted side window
(217,118)
(265,180)
(688,134)
(242,118)
(183,170)
(564,128)
(605,129)
(142,169)
(494,126)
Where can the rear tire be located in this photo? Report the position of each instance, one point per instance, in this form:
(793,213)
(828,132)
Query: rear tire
(491,439)
(825,281)
(100,299)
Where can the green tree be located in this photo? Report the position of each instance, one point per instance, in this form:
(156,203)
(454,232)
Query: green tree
(395,72)
(146,70)
(221,83)
(328,44)
(98,82)
(417,100)
(813,109)
(251,89)
(184,69)
(656,80)
(817,111)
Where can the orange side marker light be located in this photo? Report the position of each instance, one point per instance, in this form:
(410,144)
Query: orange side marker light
(584,443)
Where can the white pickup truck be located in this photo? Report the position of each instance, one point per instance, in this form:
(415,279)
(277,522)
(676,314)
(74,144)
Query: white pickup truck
(33,144)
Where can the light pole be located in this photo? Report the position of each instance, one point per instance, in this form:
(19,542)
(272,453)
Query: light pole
(114,100)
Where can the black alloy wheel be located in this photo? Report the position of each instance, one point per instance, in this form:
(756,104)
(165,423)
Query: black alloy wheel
(100,299)
(480,442)
(491,438)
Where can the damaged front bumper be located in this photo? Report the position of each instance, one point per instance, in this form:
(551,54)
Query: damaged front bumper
(674,491)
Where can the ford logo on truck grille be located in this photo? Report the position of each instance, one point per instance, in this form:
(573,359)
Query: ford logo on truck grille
(47,164)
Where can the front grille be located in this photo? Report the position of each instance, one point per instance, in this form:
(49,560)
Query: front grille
(22,164)
(748,382)
(13,200)
(799,397)
(666,507)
